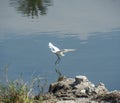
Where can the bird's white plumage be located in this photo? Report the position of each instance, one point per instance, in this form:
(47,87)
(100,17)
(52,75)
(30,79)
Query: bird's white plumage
(57,51)
(53,48)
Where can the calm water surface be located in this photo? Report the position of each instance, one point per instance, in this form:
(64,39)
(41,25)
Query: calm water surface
(90,27)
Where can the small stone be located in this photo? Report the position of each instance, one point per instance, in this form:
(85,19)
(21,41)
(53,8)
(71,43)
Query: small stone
(101,84)
(101,89)
(80,78)
(83,91)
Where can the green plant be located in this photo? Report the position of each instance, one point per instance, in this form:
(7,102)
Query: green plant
(15,92)
(19,91)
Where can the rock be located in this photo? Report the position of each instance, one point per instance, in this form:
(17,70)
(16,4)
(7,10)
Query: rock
(83,84)
(70,89)
(80,90)
(61,85)
(81,93)
(80,78)
(62,89)
(70,101)
(110,97)
(101,89)
(80,100)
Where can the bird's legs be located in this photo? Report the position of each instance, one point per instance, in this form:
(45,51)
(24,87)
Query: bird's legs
(58,60)
(56,69)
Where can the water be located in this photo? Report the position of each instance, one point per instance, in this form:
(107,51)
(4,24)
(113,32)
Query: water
(90,27)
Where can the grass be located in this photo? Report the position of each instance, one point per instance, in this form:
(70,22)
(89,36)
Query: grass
(15,92)
(19,91)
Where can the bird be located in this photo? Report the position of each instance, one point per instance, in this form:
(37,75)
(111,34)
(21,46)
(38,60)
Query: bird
(57,51)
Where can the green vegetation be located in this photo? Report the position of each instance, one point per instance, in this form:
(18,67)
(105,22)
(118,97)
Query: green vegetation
(15,92)
(19,91)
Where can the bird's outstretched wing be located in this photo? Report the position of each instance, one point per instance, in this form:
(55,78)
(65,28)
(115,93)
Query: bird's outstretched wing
(67,50)
(53,48)
(61,52)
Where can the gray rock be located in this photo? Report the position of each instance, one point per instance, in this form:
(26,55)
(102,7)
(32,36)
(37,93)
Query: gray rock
(109,97)
(68,101)
(61,85)
(79,90)
(80,78)
(69,89)
(101,89)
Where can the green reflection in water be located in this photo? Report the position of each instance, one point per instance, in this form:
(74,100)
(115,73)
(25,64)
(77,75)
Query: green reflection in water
(32,8)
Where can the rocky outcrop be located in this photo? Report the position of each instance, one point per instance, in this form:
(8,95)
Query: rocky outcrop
(70,89)
(80,90)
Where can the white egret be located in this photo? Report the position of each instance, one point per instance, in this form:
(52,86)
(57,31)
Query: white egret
(57,51)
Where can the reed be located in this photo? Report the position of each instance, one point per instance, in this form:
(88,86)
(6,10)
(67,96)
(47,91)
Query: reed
(19,91)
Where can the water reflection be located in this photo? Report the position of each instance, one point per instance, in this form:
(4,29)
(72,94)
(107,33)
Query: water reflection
(32,8)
